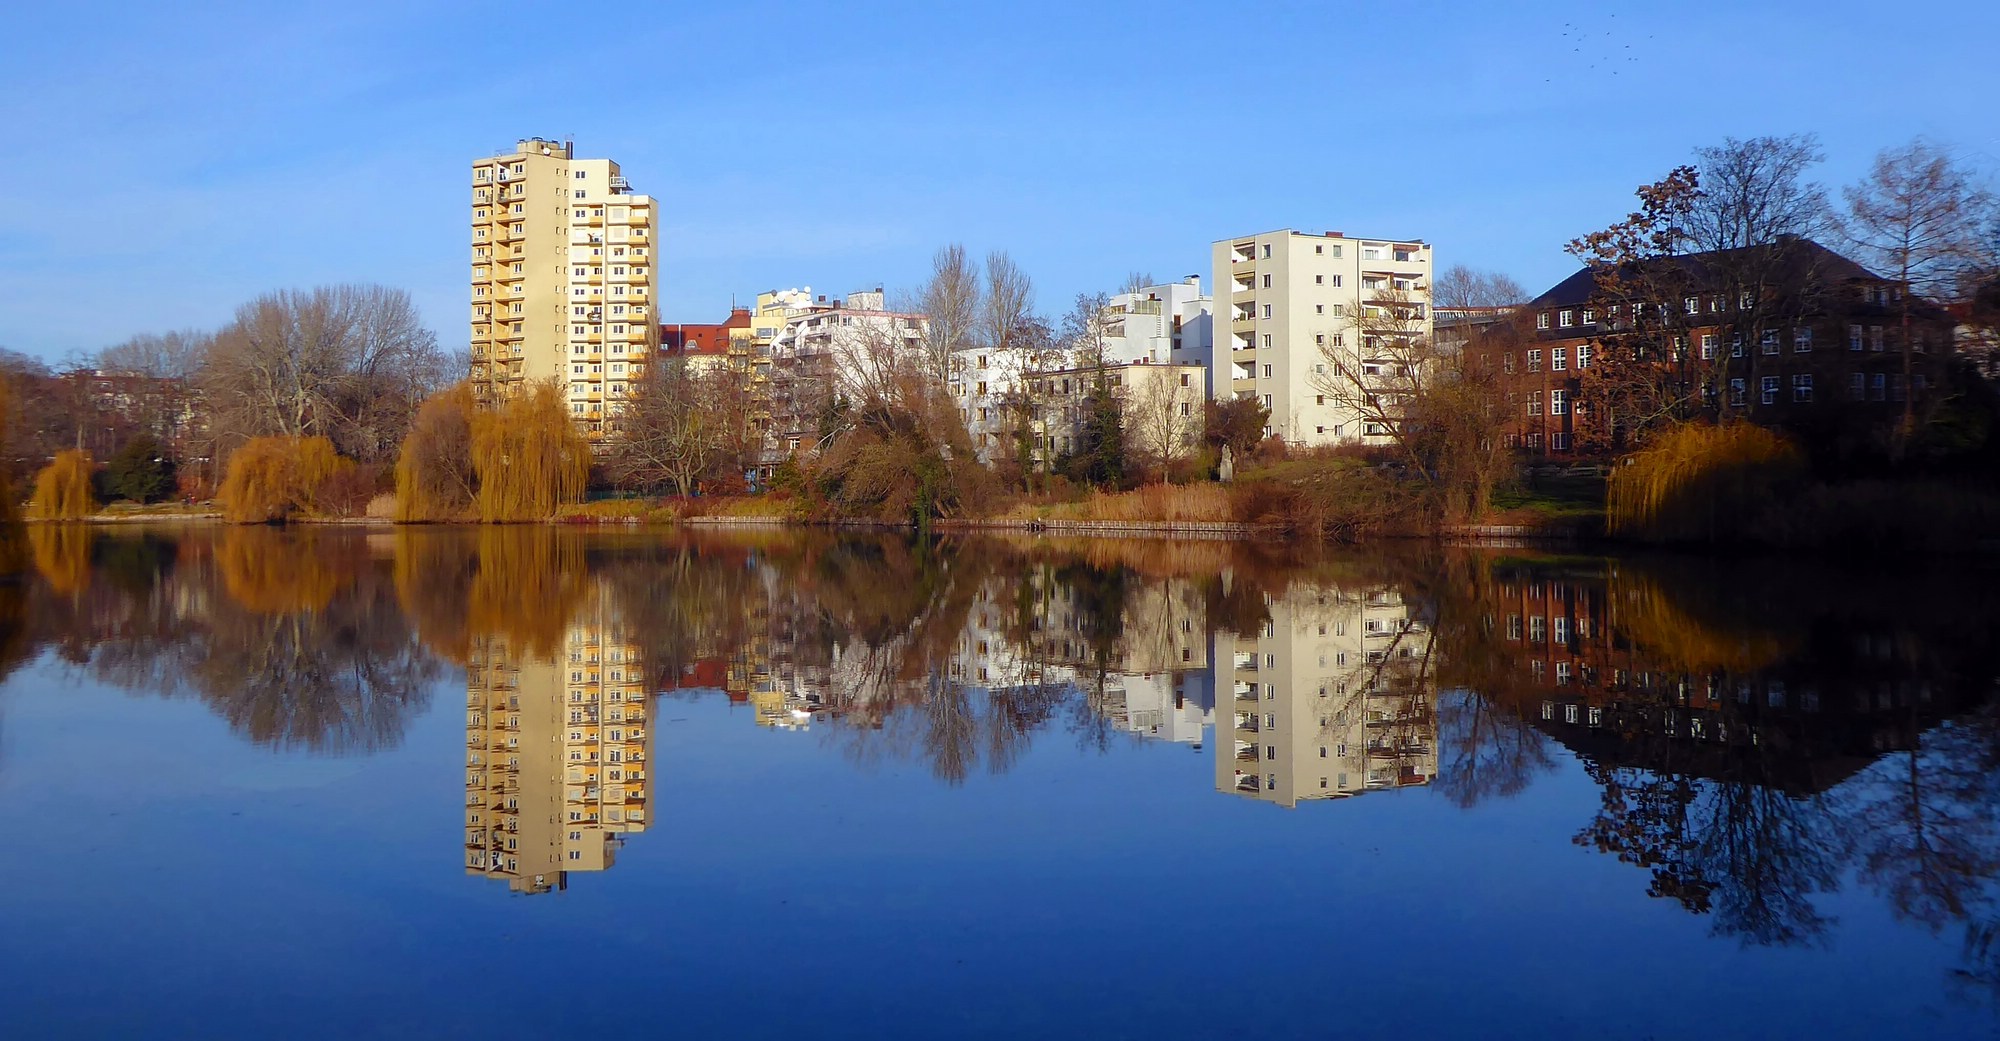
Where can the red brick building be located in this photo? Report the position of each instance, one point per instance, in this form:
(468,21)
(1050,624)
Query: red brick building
(1791,335)
(705,341)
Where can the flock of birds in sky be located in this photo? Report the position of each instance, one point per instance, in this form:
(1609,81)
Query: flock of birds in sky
(1598,56)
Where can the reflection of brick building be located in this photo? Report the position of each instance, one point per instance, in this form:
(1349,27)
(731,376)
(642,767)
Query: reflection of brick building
(1821,354)
(1605,665)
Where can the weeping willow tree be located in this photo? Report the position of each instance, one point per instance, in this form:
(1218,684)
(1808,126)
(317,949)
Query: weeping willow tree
(528,456)
(435,478)
(271,479)
(62,488)
(13,541)
(433,575)
(523,585)
(1701,483)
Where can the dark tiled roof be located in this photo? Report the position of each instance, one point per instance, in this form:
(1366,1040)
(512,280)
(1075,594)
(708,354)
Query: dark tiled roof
(1830,267)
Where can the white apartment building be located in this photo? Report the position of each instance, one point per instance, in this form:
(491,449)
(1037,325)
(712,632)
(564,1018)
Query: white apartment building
(1331,699)
(829,347)
(1290,294)
(565,276)
(1170,323)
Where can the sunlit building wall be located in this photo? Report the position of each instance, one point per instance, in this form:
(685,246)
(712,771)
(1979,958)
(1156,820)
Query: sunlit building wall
(565,275)
(1282,297)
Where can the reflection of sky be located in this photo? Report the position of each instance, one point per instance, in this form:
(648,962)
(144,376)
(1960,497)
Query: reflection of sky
(170,879)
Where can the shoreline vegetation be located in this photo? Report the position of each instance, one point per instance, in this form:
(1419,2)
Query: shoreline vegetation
(1763,502)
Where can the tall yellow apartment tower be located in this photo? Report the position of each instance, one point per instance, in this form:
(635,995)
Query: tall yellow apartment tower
(565,278)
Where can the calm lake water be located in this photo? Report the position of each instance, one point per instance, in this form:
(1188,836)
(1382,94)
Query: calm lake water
(527,783)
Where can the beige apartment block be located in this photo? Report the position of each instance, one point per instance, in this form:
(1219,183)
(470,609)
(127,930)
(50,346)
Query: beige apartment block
(1282,297)
(557,749)
(1333,698)
(565,275)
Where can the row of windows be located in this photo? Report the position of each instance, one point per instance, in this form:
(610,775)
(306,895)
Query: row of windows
(1691,305)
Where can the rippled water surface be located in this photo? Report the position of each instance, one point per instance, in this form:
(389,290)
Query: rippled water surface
(533,783)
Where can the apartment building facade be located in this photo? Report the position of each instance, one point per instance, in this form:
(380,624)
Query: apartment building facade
(1167,324)
(565,279)
(1000,397)
(1283,298)
(823,349)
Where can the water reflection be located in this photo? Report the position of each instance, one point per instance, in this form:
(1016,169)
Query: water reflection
(1758,735)
(1334,696)
(557,742)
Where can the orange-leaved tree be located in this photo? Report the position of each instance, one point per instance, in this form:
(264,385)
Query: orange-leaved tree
(62,489)
(275,478)
(528,456)
(435,480)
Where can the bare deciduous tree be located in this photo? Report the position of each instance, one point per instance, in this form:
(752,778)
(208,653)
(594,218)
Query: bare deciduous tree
(950,299)
(1084,332)
(1165,417)
(1459,286)
(1438,409)
(683,423)
(351,363)
(1009,303)
(1917,218)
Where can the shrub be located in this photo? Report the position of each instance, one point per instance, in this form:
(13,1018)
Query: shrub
(141,471)
(347,491)
(63,488)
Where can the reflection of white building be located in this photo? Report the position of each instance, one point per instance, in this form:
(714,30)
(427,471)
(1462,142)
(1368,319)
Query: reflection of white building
(1163,706)
(1334,697)
(1155,682)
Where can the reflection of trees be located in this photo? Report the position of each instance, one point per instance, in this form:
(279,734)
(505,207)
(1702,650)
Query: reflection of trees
(294,637)
(1485,752)
(1759,731)
(62,555)
(1750,855)
(337,680)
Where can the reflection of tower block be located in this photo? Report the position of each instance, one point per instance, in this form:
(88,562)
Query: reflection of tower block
(510,806)
(1332,698)
(556,756)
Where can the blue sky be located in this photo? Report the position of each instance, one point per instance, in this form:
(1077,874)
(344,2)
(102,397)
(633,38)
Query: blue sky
(169,164)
